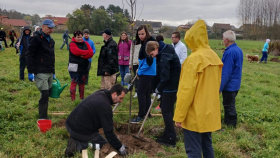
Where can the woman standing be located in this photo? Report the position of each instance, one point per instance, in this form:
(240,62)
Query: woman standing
(265,51)
(146,73)
(124,55)
(79,53)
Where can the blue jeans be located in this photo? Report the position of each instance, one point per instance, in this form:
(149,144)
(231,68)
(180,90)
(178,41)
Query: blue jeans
(124,69)
(264,57)
(65,42)
(195,143)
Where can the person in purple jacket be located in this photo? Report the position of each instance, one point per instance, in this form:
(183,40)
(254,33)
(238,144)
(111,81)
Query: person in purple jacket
(124,55)
(231,77)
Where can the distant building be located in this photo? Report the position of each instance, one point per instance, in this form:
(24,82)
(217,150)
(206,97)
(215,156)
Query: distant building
(15,23)
(153,26)
(184,28)
(218,28)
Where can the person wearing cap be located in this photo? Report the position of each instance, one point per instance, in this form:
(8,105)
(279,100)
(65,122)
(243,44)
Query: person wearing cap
(41,62)
(23,47)
(108,61)
(91,43)
(13,35)
(3,36)
(65,37)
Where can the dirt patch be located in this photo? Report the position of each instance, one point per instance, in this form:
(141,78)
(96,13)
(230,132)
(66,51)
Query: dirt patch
(275,60)
(134,144)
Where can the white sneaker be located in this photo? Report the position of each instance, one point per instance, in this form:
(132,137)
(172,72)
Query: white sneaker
(135,95)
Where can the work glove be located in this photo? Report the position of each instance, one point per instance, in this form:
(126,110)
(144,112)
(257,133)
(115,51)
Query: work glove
(54,76)
(123,151)
(129,87)
(31,77)
(157,92)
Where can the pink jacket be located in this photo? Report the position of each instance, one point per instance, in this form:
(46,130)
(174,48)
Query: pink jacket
(124,52)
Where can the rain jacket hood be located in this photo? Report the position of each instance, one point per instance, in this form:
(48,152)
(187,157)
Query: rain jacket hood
(198,102)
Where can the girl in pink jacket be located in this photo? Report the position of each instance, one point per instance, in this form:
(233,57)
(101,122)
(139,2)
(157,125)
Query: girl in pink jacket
(124,55)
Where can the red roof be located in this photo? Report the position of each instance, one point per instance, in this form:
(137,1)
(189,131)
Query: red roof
(58,20)
(15,22)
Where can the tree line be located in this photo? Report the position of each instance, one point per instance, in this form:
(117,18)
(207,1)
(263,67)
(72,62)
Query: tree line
(97,19)
(260,18)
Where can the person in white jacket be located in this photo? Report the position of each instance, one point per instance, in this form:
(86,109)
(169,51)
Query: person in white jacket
(180,48)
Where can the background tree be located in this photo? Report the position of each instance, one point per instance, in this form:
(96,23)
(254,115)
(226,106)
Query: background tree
(76,21)
(100,21)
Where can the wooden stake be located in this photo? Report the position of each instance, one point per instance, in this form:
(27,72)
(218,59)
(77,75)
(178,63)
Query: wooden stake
(111,155)
(84,153)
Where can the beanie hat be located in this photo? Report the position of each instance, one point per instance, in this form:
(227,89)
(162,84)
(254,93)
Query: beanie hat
(267,40)
(86,31)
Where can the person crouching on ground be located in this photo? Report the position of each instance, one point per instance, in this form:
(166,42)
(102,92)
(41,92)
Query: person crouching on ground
(198,102)
(79,53)
(93,113)
(169,73)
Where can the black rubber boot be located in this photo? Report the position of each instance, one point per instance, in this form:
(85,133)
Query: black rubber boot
(43,104)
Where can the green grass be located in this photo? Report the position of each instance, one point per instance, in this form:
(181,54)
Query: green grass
(257,133)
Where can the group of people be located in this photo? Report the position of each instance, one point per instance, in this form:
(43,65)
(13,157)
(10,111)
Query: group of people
(193,82)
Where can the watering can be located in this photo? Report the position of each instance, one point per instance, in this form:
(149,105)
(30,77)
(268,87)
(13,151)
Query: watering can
(56,88)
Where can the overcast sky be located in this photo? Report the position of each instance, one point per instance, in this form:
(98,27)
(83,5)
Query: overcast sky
(169,12)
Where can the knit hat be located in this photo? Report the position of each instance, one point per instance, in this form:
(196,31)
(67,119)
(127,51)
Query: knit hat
(86,31)
(37,28)
(267,40)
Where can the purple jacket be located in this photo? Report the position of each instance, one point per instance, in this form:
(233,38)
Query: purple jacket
(124,52)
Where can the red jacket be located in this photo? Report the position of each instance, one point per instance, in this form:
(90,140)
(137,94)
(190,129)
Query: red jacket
(124,52)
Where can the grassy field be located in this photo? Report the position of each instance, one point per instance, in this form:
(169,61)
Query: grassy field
(257,133)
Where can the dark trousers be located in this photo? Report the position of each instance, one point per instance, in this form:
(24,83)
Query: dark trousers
(65,42)
(230,115)
(144,94)
(22,65)
(12,40)
(135,67)
(264,57)
(167,109)
(195,143)
(4,39)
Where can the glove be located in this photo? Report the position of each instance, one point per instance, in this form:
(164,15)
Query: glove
(158,96)
(157,92)
(129,87)
(54,76)
(31,77)
(123,151)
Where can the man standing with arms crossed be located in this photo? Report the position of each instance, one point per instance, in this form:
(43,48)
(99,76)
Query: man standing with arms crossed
(40,61)
(231,77)
(108,64)
(180,48)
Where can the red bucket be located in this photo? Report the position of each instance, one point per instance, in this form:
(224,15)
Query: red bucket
(44,125)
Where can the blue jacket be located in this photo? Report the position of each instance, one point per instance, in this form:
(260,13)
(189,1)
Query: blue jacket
(91,43)
(232,69)
(265,47)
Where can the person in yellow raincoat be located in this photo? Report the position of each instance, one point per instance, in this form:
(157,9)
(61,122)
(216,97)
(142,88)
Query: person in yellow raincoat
(198,103)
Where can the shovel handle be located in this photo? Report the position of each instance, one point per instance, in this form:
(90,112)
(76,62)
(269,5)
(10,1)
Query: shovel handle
(146,115)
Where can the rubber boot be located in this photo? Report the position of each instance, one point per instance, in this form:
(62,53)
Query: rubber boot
(43,104)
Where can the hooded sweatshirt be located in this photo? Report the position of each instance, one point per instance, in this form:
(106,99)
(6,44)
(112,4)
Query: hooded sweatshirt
(198,101)
(24,42)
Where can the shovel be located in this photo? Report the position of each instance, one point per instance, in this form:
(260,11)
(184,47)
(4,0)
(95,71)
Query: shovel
(138,134)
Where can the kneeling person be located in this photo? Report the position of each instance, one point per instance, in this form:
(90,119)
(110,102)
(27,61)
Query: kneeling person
(93,113)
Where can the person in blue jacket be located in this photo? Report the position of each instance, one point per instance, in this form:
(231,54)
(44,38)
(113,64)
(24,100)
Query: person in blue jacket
(91,43)
(146,73)
(65,37)
(231,77)
(265,51)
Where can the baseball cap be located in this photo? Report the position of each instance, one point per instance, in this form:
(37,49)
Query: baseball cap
(107,31)
(49,23)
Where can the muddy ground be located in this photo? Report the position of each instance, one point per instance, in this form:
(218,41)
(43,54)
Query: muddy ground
(132,142)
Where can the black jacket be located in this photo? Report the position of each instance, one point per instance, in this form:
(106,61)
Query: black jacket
(2,34)
(24,43)
(82,63)
(168,69)
(142,52)
(91,114)
(40,54)
(108,58)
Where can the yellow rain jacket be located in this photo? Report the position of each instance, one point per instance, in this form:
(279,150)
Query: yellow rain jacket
(198,102)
